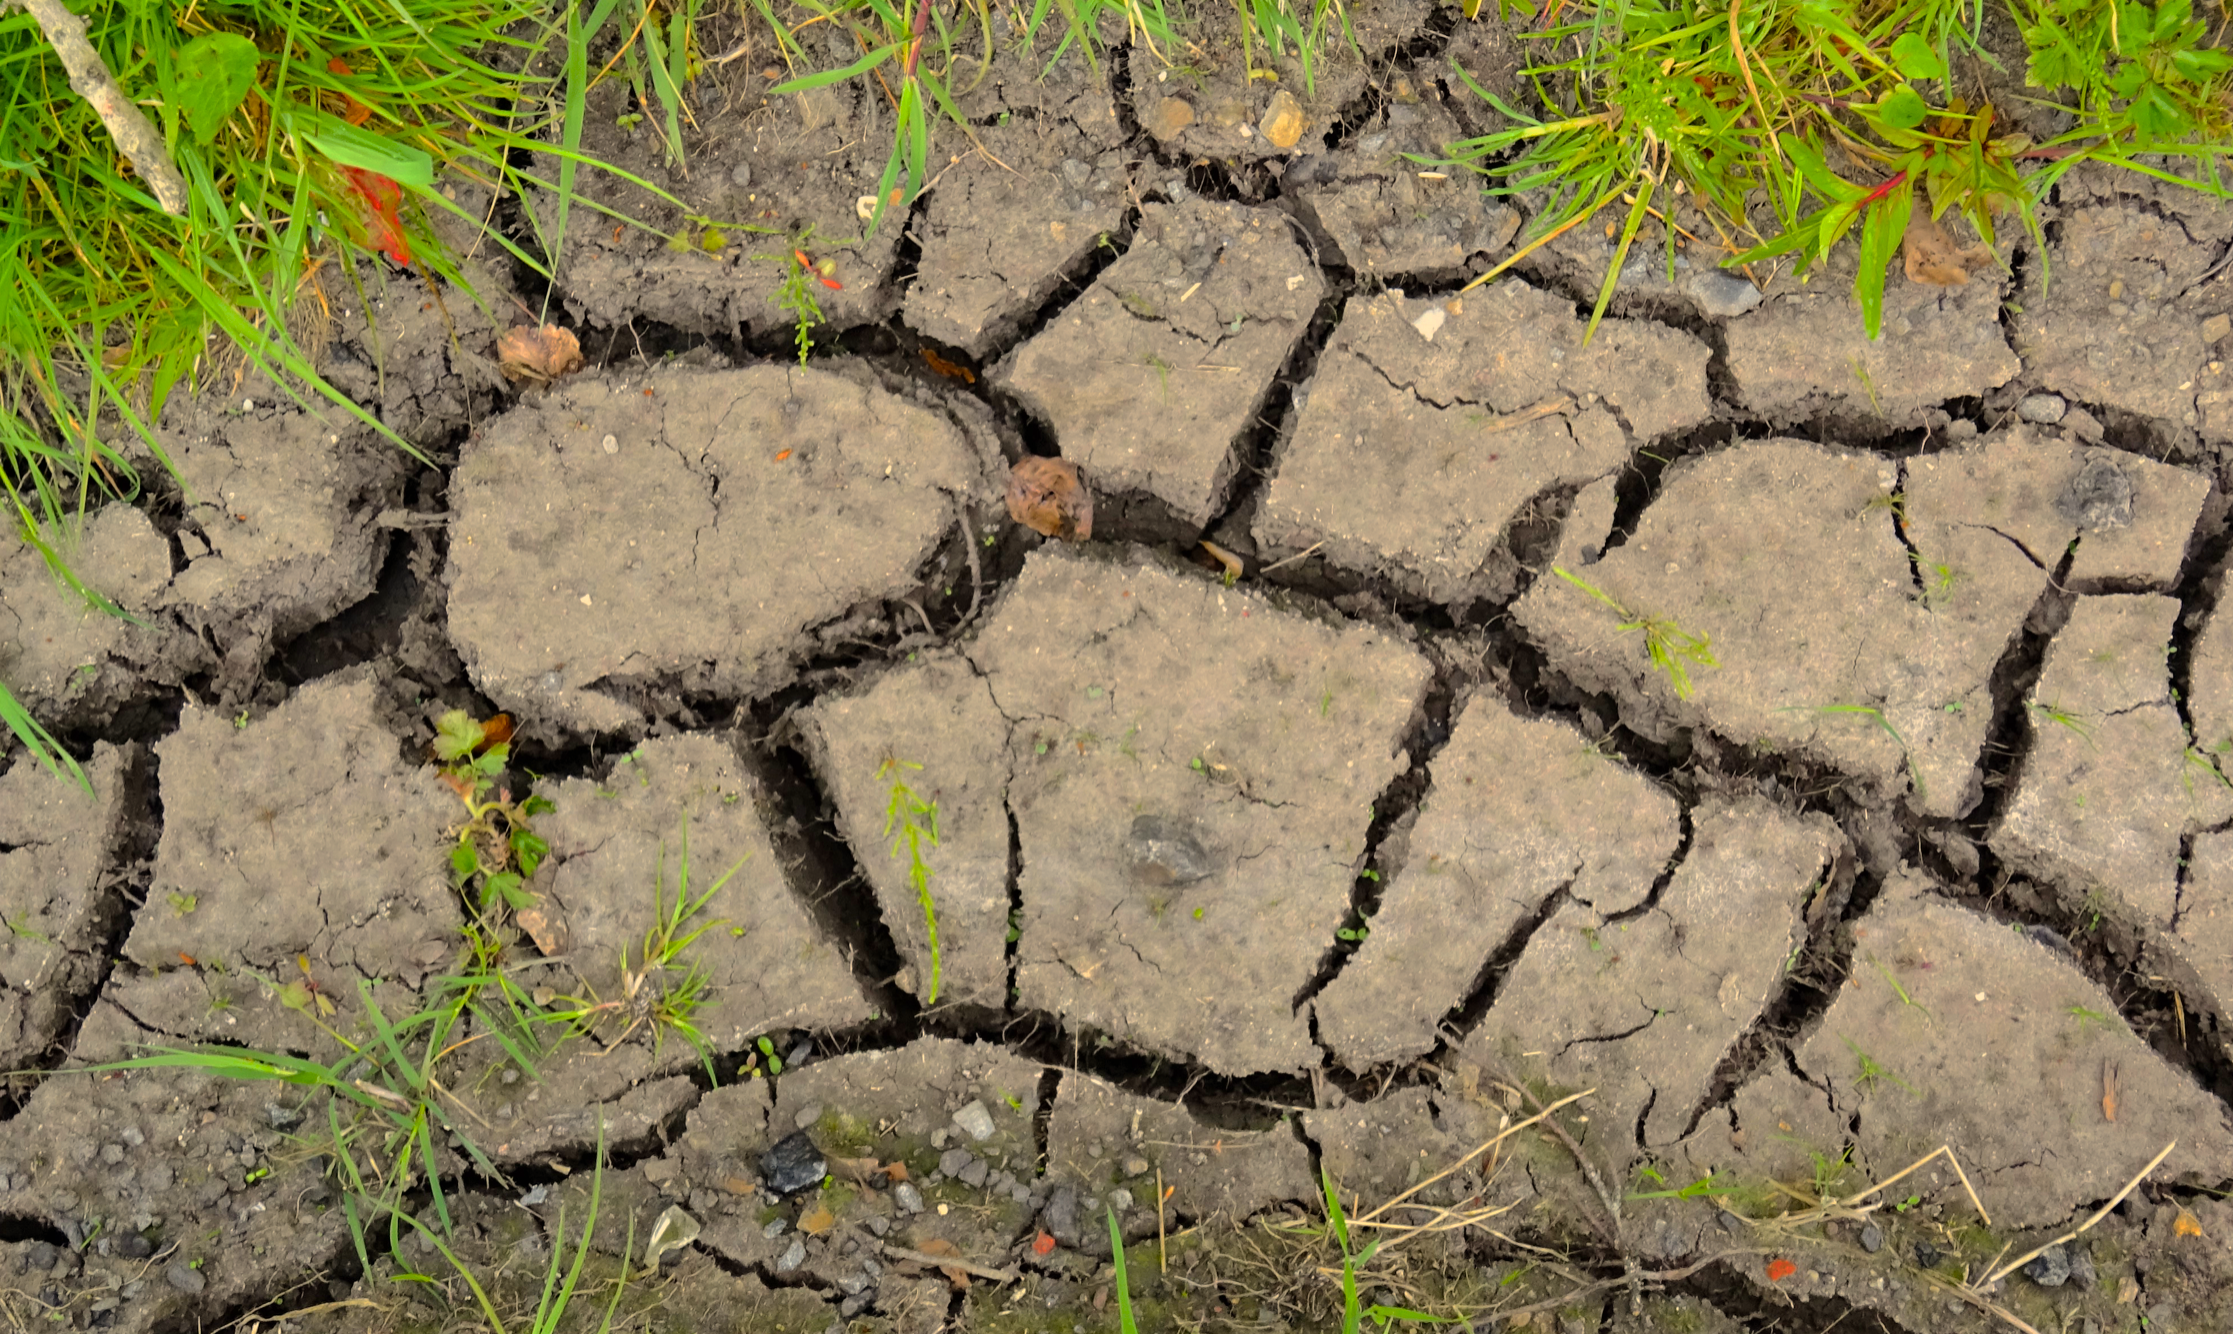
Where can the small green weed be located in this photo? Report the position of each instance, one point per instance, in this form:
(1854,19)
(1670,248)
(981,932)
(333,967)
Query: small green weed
(1672,649)
(1703,1187)
(2088,1018)
(497,848)
(650,994)
(1353,1310)
(801,276)
(1873,1071)
(2065,718)
(1914,774)
(1125,1322)
(917,821)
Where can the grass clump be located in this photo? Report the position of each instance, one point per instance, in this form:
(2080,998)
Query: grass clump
(1673,650)
(1833,115)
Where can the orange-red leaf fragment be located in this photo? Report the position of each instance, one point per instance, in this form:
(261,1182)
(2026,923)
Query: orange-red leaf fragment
(2186,1224)
(1779,1270)
(1043,1244)
(1046,496)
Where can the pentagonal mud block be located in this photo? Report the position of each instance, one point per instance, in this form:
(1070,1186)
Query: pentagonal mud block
(1431,423)
(617,871)
(686,531)
(67,663)
(1644,1010)
(1193,776)
(714,255)
(1958,1031)
(1790,560)
(1518,810)
(2121,318)
(1006,225)
(1805,352)
(279,529)
(306,832)
(1150,377)
(58,847)
(2110,782)
(938,730)
(1103,1137)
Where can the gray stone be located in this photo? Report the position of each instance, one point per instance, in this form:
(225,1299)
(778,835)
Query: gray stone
(112,1154)
(909,1199)
(1136,1166)
(2081,1265)
(792,1257)
(2050,1268)
(1164,851)
(793,1164)
(973,1120)
(2045,409)
(1120,1199)
(185,1277)
(1720,294)
(2100,496)
(1872,1238)
(807,1115)
(1060,1217)
(740,176)
(954,1162)
(973,1175)
(775,1228)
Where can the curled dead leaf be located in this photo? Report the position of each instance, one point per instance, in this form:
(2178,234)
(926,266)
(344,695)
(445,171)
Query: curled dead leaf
(940,1246)
(1933,258)
(546,925)
(817,1220)
(1046,496)
(2186,1224)
(538,356)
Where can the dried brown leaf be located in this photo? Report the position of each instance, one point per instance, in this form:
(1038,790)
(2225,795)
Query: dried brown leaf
(1046,496)
(940,1246)
(817,1220)
(547,926)
(538,356)
(2108,1091)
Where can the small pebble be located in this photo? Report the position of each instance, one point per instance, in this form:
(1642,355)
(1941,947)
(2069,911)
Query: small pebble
(185,1277)
(909,1199)
(807,1115)
(1872,1238)
(740,176)
(791,1258)
(2043,409)
(954,1162)
(612,444)
(1120,1199)
(774,1229)
(1722,295)
(1136,1166)
(974,1121)
(973,1175)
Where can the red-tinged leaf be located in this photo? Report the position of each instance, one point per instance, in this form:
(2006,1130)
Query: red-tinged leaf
(1043,1245)
(1779,1270)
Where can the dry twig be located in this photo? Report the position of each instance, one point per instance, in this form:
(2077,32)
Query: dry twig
(91,80)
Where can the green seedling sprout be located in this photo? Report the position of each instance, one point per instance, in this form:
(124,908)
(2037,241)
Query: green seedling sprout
(917,824)
(1672,649)
(1915,775)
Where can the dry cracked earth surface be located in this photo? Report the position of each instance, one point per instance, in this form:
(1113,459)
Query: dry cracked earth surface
(1916,849)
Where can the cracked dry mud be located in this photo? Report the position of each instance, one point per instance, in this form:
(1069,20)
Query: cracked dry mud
(1346,867)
